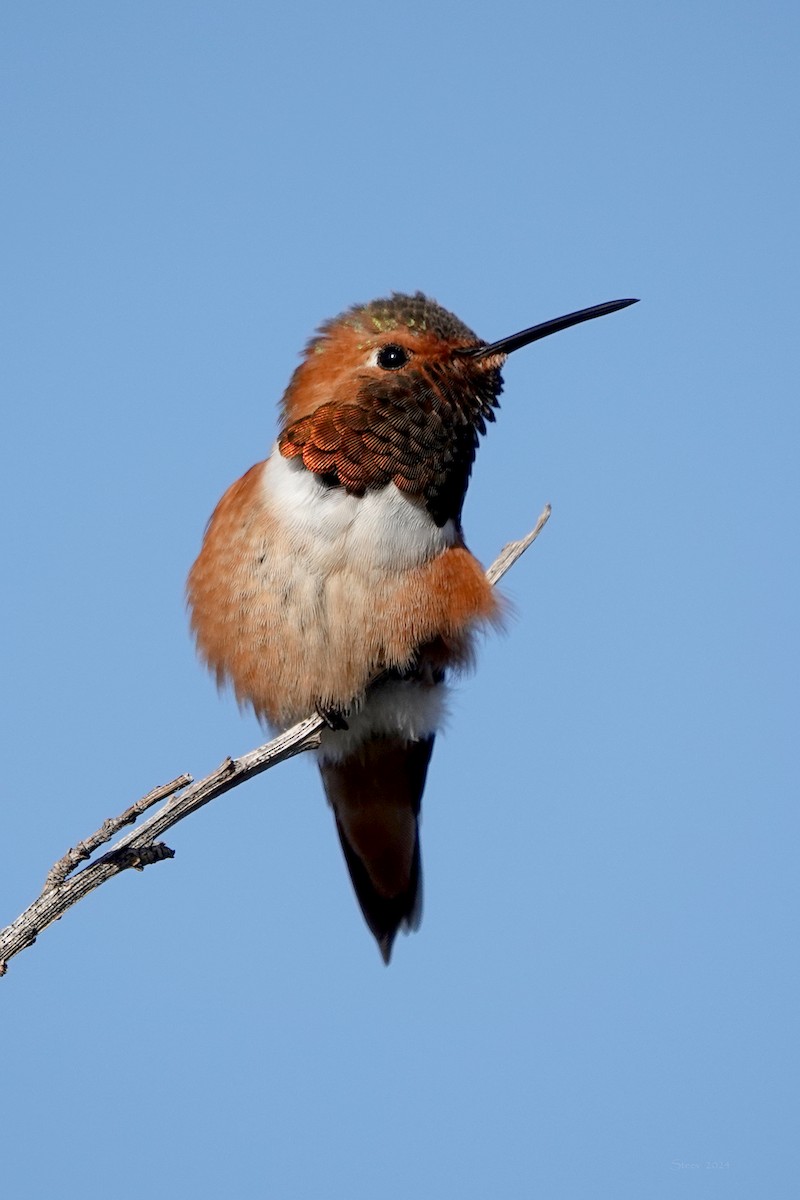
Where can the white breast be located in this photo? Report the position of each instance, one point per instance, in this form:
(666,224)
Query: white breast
(382,531)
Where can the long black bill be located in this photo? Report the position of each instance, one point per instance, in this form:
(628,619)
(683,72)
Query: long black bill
(508,344)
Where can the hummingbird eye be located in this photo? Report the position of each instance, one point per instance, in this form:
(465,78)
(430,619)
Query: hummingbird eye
(392,357)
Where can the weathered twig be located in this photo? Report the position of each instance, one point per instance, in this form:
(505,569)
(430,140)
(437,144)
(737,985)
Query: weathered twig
(182,796)
(514,550)
(85,849)
(139,848)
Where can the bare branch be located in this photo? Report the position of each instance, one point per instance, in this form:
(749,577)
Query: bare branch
(182,796)
(514,550)
(85,849)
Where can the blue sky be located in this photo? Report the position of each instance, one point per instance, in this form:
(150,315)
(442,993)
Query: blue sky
(602,999)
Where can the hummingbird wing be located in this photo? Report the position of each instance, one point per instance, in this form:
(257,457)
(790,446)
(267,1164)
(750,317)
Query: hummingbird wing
(375,794)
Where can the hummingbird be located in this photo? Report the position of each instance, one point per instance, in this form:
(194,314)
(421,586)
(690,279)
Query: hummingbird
(334,576)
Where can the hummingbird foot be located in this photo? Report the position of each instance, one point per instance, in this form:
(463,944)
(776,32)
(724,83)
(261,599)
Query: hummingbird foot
(334,718)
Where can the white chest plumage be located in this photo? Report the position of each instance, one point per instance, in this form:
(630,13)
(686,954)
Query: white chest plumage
(381,531)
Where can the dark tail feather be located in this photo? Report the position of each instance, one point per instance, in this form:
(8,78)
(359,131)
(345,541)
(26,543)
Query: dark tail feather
(375,795)
(384,914)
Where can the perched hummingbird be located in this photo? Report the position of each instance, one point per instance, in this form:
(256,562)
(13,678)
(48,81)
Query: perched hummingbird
(334,576)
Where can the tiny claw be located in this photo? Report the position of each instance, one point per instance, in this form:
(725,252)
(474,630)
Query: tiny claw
(333,717)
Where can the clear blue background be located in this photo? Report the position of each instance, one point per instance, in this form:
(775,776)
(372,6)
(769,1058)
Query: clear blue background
(603,998)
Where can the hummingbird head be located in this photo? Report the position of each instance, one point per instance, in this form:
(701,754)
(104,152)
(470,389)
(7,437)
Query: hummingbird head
(398,391)
(384,344)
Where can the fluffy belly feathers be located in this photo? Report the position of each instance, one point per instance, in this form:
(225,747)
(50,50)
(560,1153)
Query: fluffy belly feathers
(302,593)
